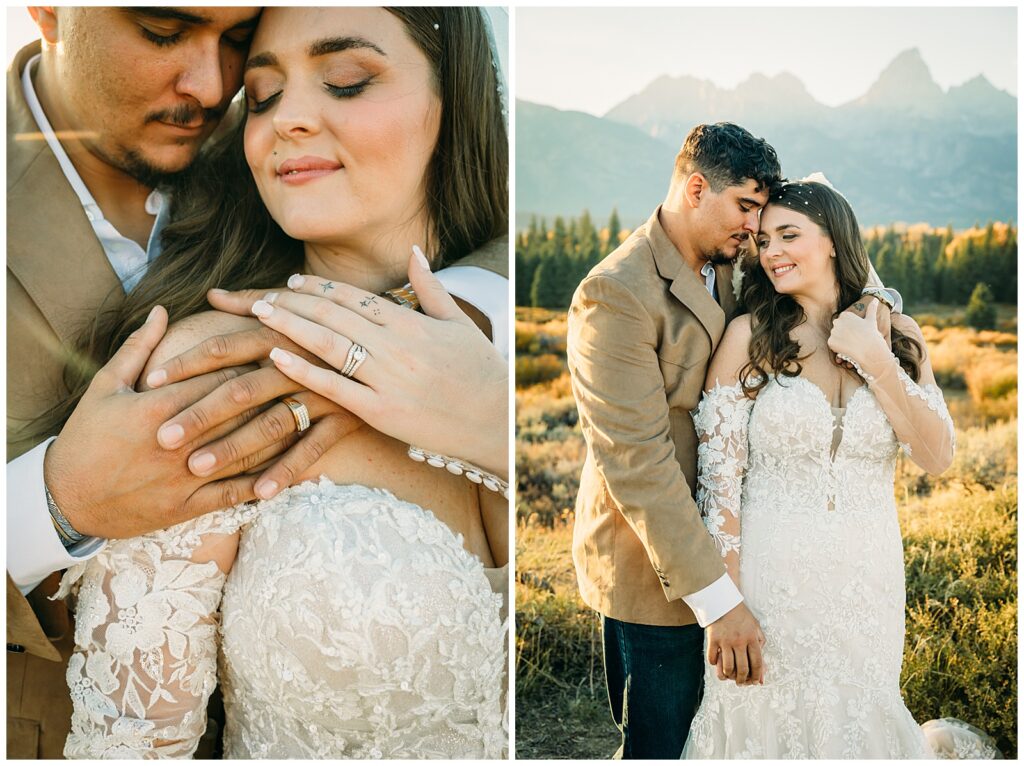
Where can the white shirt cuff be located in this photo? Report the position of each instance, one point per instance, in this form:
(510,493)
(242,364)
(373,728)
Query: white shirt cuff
(34,549)
(485,290)
(710,603)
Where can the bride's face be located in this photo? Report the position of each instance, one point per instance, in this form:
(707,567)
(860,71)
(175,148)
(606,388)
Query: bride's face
(343,120)
(794,252)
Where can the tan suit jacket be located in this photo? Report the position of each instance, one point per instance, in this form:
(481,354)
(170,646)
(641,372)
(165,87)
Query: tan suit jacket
(642,329)
(57,277)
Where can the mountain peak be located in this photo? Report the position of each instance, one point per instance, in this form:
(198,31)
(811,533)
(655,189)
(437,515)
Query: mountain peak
(906,79)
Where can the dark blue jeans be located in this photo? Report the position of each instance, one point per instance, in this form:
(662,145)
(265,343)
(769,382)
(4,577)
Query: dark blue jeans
(655,676)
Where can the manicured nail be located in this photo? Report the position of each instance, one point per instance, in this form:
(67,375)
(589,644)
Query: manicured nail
(262,309)
(156,378)
(201,463)
(218,291)
(266,489)
(152,313)
(281,356)
(420,257)
(171,436)
(270,297)
(295,281)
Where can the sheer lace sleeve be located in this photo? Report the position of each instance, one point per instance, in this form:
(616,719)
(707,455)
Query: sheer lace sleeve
(918,416)
(145,656)
(721,422)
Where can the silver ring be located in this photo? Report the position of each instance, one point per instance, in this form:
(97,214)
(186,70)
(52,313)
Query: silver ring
(356,356)
(299,412)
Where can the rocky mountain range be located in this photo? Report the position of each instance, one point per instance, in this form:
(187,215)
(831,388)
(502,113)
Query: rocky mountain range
(906,150)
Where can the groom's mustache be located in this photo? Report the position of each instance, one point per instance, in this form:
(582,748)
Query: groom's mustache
(186,116)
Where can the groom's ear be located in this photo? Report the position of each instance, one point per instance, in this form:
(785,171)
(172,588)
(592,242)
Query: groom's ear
(694,189)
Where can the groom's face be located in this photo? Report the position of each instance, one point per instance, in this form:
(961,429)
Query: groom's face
(729,219)
(143,88)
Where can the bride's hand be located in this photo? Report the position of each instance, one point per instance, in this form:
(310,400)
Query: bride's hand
(859,339)
(433,381)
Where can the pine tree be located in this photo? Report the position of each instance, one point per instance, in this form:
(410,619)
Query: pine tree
(981,311)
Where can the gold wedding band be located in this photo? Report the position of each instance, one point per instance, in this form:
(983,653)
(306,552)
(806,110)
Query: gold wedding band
(299,412)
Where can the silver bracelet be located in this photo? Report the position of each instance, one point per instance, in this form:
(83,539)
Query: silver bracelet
(461,468)
(68,535)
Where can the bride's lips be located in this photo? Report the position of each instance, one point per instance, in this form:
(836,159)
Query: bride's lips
(306,169)
(780,269)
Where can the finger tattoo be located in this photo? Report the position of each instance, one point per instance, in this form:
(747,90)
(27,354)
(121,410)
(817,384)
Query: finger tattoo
(325,286)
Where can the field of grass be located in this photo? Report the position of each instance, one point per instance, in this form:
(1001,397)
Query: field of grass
(959,530)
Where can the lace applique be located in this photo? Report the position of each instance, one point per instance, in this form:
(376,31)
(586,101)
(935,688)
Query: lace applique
(931,395)
(354,625)
(144,663)
(721,424)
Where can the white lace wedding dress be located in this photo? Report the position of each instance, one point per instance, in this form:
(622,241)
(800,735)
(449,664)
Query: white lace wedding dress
(354,625)
(821,568)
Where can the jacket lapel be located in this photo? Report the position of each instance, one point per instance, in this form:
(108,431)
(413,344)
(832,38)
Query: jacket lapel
(52,249)
(687,288)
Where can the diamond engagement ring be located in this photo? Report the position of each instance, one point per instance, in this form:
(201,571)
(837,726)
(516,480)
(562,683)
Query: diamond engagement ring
(299,412)
(356,356)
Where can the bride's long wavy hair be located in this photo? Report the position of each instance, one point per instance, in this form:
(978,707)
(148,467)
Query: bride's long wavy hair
(774,316)
(221,235)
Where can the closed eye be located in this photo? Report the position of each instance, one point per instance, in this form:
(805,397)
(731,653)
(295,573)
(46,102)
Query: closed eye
(161,40)
(347,91)
(255,107)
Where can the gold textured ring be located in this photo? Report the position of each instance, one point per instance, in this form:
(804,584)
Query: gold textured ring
(299,412)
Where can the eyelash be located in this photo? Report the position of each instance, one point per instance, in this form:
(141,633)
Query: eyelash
(338,91)
(785,238)
(347,91)
(161,40)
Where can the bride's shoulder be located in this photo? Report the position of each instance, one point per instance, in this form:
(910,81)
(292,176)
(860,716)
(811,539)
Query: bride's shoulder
(731,354)
(193,330)
(738,332)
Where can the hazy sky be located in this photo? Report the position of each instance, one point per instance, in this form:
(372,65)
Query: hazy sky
(590,59)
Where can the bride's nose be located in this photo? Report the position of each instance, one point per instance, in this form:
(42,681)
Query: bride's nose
(295,116)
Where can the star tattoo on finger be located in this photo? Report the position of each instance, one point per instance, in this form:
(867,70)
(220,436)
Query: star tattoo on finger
(325,286)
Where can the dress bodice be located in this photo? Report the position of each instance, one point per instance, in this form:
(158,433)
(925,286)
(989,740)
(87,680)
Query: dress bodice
(791,456)
(356,625)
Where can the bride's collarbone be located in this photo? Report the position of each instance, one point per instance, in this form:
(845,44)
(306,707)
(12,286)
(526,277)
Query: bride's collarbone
(372,459)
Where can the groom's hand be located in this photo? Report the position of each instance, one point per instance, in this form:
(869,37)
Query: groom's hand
(734,645)
(270,432)
(106,471)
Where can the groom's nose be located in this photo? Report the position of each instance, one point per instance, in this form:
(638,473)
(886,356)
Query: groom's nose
(750,222)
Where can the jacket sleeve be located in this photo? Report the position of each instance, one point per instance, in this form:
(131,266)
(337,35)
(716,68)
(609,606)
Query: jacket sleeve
(624,415)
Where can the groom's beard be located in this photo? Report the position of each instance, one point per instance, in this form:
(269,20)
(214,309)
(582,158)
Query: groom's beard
(718,258)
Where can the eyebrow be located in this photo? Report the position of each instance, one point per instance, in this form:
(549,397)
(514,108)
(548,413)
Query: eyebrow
(319,48)
(338,44)
(173,14)
(176,14)
(752,202)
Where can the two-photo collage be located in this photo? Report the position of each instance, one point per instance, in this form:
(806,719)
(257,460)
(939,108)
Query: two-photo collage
(512,382)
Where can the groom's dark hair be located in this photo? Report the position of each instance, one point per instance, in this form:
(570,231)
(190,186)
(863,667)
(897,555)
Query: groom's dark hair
(726,155)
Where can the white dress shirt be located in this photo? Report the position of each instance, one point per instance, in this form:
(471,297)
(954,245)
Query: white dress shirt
(34,549)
